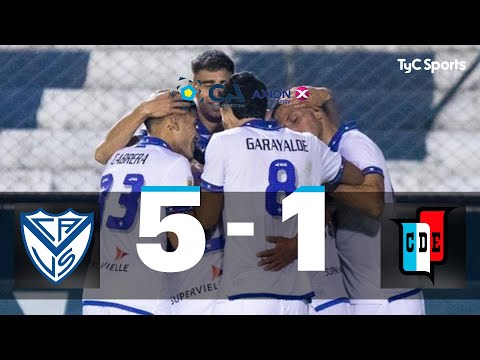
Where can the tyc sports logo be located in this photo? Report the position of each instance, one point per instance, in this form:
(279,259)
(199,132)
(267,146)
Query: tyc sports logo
(56,243)
(423,241)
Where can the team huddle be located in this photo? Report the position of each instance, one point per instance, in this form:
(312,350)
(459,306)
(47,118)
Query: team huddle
(243,157)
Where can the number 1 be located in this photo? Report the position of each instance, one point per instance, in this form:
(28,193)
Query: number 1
(308,202)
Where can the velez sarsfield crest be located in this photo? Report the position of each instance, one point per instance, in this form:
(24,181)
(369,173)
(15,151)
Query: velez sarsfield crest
(56,243)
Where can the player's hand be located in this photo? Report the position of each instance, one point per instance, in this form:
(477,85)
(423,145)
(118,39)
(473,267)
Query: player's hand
(283,254)
(161,103)
(317,97)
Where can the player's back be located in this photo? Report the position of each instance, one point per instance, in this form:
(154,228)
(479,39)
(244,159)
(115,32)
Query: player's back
(358,235)
(123,275)
(149,163)
(262,154)
(254,164)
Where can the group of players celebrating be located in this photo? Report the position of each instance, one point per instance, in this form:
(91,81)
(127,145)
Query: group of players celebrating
(169,142)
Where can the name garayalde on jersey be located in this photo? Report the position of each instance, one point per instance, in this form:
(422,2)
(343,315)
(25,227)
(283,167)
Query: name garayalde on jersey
(276,144)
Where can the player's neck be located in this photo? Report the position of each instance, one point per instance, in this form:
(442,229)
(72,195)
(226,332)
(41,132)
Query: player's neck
(328,131)
(164,136)
(212,127)
(244,121)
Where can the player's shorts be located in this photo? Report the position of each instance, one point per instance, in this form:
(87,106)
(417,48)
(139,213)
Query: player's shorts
(122,307)
(339,306)
(261,307)
(397,305)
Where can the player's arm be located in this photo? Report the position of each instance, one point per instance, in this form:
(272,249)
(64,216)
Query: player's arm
(212,181)
(369,196)
(284,252)
(350,174)
(359,191)
(159,104)
(210,210)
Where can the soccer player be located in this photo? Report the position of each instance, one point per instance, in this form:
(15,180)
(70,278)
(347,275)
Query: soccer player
(358,226)
(160,159)
(211,67)
(255,157)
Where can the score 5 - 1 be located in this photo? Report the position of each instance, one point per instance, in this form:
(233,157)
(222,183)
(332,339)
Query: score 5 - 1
(308,202)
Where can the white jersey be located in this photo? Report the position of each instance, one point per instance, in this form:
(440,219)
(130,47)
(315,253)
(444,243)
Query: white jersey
(357,235)
(328,285)
(123,275)
(194,291)
(262,158)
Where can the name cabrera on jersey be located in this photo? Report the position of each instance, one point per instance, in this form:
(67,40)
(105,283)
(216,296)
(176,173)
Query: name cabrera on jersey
(248,160)
(357,235)
(123,275)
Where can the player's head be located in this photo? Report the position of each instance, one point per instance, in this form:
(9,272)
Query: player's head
(177,130)
(239,103)
(299,119)
(210,68)
(314,120)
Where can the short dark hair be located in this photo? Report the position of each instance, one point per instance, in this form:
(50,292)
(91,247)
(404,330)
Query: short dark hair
(213,60)
(150,121)
(253,107)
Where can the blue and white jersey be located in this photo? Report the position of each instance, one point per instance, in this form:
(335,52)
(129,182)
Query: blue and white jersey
(261,159)
(149,163)
(202,141)
(328,285)
(358,235)
(200,146)
(141,132)
(203,280)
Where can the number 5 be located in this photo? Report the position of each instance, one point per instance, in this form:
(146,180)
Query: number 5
(191,237)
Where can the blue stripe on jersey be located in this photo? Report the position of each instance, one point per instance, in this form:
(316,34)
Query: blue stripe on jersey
(372,170)
(150,140)
(307,296)
(210,187)
(203,137)
(142,133)
(115,305)
(201,129)
(339,175)
(335,142)
(331,303)
(170,188)
(177,209)
(214,244)
(263,124)
(311,189)
(403,295)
